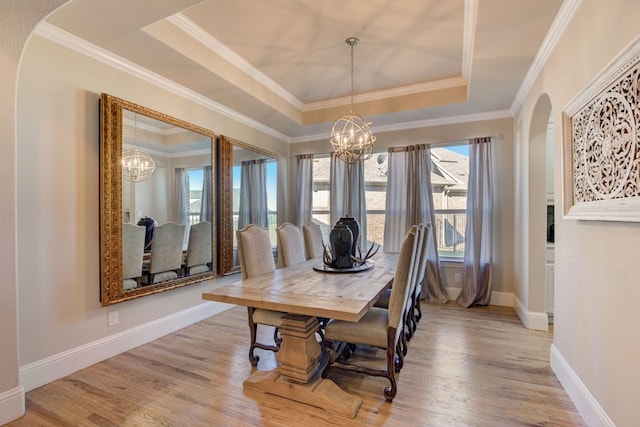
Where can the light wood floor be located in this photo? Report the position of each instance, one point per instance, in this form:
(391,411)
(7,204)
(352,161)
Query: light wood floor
(465,367)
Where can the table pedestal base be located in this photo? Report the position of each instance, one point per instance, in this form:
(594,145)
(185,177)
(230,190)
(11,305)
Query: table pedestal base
(298,376)
(322,393)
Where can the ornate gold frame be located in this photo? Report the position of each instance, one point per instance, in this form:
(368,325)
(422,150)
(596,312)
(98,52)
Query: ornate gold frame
(225,202)
(111,290)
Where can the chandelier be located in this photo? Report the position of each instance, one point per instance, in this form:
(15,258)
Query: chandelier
(351,137)
(136,165)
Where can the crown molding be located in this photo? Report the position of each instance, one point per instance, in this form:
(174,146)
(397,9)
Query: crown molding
(492,115)
(468,36)
(68,40)
(558,27)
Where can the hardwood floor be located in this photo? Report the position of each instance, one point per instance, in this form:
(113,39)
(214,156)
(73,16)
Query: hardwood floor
(465,367)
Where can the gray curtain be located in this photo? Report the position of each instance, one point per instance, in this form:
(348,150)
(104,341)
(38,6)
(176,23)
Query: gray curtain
(206,202)
(347,196)
(304,189)
(253,194)
(180,196)
(409,202)
(478,254)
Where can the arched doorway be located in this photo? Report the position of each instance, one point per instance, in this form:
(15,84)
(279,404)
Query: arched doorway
(540,190)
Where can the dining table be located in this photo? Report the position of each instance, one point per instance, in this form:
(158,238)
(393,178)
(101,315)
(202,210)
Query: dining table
(306,292)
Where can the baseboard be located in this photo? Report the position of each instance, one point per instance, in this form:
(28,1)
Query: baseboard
(503,299)
(588,407)
(11,405)
(44,371)
(530,319)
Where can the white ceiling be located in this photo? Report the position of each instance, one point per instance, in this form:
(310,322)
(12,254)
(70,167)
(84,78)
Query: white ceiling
(284,63)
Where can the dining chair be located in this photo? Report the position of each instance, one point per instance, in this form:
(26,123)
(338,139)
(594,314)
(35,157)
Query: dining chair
(256,258)
(132,255)
(290,245)
(165,261)
(414,311)
(198,258)
(379,327)
(314,248)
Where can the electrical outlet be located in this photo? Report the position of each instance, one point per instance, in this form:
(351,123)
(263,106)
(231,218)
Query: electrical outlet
(112,318)
(457,278)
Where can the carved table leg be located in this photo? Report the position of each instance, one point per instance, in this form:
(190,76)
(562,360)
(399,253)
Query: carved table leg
(298,376)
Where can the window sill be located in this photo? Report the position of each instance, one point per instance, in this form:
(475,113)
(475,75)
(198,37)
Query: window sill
(451,261)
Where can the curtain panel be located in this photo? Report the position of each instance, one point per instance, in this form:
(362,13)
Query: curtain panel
(206,200)
(253,194)
(409,202)
(304,189)
(180,196)
(478,251)
(347,196)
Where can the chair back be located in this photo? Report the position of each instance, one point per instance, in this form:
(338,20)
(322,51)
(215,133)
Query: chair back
(402,280)
(290,245)
(132,250)
(199,247)
(314,247)
(254,251)
(166,248)
(422,265)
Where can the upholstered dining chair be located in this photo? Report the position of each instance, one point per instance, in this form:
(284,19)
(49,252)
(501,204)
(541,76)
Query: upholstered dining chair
(314,247)
(165,261)
(379,327)
(290,245)
(198,259)
(256,258)
(132,255)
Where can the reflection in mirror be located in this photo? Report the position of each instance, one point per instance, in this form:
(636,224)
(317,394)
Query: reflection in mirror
(167,210)
(248,195)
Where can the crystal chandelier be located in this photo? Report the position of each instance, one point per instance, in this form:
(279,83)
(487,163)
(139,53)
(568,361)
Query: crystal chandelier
(351,137)
(136,165)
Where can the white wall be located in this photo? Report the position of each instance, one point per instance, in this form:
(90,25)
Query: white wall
(596,347)
(58,237)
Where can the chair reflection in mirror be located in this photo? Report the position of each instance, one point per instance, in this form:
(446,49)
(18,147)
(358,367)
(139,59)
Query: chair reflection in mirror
(198,257)
(290,245)
(165,261)
(132,254)
(256,258)
(314,247)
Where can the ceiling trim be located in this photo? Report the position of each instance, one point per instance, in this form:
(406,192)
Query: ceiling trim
(68,40)
(558,27)
(468,36)
(467,118)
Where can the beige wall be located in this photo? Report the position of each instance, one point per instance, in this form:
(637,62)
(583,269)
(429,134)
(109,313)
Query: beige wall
(596,274)
(58,201)
(503,273)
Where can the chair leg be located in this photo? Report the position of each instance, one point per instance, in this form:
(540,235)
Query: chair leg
(417,307)
(253,330)
(390,392)
(277,338)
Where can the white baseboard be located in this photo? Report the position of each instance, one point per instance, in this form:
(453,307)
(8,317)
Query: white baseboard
(11,405)
(60,365)
(503,299)
(589,408)
(530,319)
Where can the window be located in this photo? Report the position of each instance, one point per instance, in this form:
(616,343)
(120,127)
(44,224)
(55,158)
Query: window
(449,179)
(196,178)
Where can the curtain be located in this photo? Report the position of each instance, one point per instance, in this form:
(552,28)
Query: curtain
(206,201)
(478,256)
(410,201)
(180,196)
(304,189)
(253,194)
(347,197)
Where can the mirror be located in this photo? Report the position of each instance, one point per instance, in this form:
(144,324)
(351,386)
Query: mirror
(157,232)
(248,195)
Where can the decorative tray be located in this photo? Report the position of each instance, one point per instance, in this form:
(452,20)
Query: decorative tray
(326,269)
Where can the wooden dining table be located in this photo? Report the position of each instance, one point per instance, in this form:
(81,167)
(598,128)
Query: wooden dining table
(306,294)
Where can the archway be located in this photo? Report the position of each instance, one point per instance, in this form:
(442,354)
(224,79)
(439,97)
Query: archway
(540,192)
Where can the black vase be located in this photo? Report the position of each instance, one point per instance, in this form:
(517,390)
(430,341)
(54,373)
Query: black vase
(341,241)
(355,231)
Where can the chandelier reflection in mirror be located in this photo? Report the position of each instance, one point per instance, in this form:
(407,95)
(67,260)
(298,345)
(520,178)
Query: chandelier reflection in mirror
(351,137)
(136,165)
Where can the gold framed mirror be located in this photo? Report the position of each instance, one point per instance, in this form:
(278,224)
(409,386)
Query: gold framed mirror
(170,204)
(239,205)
